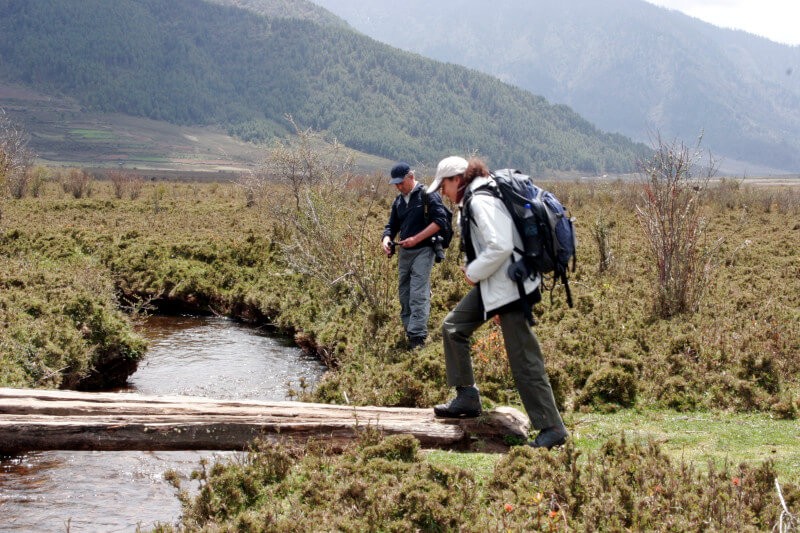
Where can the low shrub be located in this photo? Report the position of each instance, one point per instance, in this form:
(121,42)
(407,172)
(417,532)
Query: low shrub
(62,326)
(387,485)
(204,249)
(608,388)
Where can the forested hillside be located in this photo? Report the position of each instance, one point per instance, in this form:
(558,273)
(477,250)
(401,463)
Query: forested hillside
(626,65)
(292,9)
(196,62)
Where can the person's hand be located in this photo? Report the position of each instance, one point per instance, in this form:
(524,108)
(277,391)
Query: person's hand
(464,270)
(385,244)
(409,242)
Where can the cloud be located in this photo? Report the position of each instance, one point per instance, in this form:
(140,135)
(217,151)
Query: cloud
(773,19)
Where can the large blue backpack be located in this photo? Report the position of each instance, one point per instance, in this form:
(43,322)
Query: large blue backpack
(546,228)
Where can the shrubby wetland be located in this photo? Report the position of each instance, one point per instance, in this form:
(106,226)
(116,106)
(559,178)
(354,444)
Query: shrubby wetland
(677,370)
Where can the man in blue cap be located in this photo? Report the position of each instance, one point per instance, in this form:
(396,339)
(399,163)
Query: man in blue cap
(416,223)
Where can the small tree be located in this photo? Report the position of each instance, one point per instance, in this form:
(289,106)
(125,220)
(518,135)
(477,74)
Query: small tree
(670,214)
(37,177)
(316,233)
(15,158)
(324,245)
(601,232)
(303,160)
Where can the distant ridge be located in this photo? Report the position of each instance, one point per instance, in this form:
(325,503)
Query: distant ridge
(237,65)
(626,65)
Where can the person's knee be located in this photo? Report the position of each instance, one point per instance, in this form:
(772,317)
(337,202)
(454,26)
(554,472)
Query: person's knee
(420,298)
(419,303)
(450,327)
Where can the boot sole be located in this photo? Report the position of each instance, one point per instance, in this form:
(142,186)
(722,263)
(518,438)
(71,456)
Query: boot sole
(463,414)
(550,446)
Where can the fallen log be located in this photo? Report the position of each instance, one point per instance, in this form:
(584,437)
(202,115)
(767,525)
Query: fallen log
(33,419)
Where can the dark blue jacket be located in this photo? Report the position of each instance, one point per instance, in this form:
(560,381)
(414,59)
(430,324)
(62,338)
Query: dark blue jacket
(408,220)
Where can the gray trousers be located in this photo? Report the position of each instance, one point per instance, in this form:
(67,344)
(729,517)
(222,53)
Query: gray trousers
(522,348)
(414,287)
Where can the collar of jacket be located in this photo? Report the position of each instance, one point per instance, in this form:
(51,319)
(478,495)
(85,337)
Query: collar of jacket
(407,199)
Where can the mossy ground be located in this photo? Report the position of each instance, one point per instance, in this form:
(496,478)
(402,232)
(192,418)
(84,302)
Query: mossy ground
(69,264)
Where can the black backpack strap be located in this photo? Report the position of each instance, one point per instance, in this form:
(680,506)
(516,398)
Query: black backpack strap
(565,281)
(527,308)
(469,251)
(466,216)
(466,233)
(562,276)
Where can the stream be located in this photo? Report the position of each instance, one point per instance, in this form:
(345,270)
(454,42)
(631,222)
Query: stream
(208,357)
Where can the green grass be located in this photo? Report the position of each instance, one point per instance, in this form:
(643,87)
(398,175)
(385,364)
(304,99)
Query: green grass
(701,437)
(480,464)
(697,438)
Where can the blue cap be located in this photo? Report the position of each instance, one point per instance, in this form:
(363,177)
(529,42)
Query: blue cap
(399,172)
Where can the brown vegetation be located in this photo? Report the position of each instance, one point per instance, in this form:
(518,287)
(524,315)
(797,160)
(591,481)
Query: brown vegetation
(386,485)
(68,263)
(318,273)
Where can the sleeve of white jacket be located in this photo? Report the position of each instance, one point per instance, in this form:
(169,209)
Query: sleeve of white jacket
(492,235)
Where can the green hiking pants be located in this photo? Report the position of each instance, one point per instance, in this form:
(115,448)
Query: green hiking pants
(522,348)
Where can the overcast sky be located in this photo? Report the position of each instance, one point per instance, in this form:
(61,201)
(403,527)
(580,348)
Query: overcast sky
(778,20)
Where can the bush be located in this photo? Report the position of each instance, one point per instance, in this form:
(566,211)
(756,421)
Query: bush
(126,184)
(679,394)
(77,182)
(601,232)
(785,408)
(377,485)
(620,487)
(608,388)
(60,326)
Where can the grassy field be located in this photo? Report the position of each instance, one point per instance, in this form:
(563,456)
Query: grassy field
(720,382)
(64,134)
(720,437)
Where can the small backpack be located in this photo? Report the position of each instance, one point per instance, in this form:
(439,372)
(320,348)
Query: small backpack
(544,225)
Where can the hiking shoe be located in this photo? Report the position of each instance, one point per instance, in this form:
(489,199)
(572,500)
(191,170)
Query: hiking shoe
(466,404)
(550,437)
(416,342)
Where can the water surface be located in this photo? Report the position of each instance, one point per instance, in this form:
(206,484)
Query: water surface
(119,491)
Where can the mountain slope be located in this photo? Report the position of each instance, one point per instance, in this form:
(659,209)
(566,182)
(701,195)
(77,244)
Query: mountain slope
(626,65)
(195,62)
(289,9)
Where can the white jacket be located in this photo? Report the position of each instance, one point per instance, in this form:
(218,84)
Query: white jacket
(494,238)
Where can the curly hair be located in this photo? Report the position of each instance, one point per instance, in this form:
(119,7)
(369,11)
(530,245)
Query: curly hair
(476,168)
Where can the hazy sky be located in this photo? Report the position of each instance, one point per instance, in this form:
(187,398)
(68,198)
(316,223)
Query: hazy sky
(778,20)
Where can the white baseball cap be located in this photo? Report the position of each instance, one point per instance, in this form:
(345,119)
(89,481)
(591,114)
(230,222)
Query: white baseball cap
(448,167)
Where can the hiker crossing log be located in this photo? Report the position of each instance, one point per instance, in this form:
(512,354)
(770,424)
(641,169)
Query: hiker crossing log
(32,419)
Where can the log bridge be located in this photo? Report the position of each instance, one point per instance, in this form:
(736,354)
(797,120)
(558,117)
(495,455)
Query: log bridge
(33,419)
